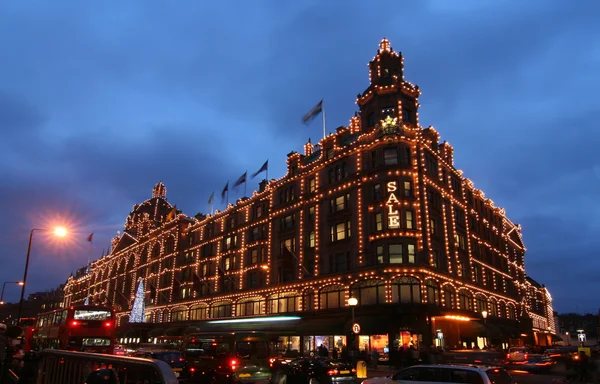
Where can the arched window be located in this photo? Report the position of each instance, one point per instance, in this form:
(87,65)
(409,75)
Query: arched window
(179,314)
(156,251)
(144,256)
(220,309)
(433,292)
(493,307)
(502,312)
(199,312)
(170,245)
(149,317)
(482,304)
(308,300)
(449,295)
(332,297)
(465,299)
(250,307)
(165,316)
(511,311)
(284,302)
(122,266)
(131,262)
(369,292)
(406,289)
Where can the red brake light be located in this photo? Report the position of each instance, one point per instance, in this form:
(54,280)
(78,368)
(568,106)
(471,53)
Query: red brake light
(353,370)
(75,323)
(332,372)
(525,355)
(192,369)
(233,364)
(181,359)
(108,324)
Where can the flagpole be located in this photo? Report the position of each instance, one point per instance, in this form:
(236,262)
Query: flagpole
(245,182)
(323,110)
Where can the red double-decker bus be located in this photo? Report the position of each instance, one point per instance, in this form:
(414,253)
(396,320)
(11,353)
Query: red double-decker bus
(88,328)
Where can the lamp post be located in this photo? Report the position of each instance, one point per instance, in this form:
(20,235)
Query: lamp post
(568,338)
(353,302)
(487,333)
(58,231)
(4,286)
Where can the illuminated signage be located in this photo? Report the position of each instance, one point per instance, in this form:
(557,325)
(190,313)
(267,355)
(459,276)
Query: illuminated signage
(392,201)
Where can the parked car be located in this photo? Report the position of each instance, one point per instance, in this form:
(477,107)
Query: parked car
(472,374)
(313,370)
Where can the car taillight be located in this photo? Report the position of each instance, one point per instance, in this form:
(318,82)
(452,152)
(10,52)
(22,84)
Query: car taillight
(108,324)
(526,355)
(353,370)
(233,363)
(181,359)
(75,323)
(332,372)
(507,355)
(192,369)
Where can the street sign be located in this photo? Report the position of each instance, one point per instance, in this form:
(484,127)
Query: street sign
(581,337)
(356,328)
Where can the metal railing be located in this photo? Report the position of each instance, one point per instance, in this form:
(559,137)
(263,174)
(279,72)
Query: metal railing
(66,367)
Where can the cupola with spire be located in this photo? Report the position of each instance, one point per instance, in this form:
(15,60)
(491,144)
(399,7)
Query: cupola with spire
(388,93)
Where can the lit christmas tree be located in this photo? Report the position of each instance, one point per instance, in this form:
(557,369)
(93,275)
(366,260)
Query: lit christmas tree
(138,312)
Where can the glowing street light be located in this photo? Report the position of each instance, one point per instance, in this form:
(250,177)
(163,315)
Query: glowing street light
(4,286)
(58,231)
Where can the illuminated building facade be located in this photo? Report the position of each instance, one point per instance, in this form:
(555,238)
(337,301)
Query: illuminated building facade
(376,211)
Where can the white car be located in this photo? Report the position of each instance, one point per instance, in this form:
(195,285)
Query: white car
(455,373)
(517,355)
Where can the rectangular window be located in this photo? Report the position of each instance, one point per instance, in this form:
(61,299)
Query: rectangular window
(377,192)
(408,189)
(411,254)
(432,226)
(258,211)
(407,115)
(287,222)
(311,214)
(434,259)
(409,220)
(395,252)
(378,222)
(254,256)
(312,184)
(379,254)
(340,231)
(390,156)
(311,239)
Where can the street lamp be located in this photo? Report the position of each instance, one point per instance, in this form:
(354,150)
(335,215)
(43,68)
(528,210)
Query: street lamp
(353,302)
(485,315)
(568,338)
(4,286)
(58,231)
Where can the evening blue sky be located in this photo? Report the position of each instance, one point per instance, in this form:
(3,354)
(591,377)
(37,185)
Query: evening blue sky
(101,100)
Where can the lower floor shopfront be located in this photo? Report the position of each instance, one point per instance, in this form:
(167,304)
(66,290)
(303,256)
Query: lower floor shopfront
(387,330)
